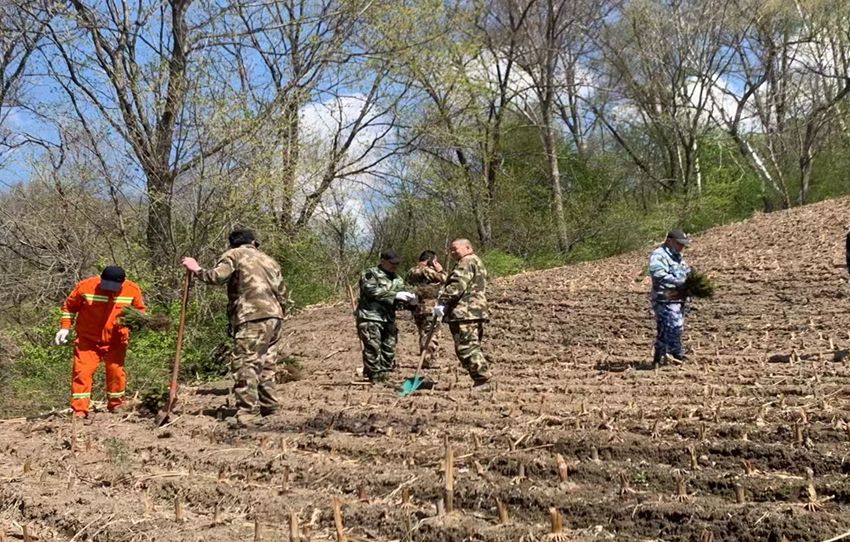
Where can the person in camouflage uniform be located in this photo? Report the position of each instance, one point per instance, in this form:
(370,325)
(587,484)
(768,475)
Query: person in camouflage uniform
(380,288)
(669,270)
(257,301)
(463,304)
(426,279)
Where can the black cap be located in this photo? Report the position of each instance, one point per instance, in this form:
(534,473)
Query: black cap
(390,256)
(112,278)
(679,236)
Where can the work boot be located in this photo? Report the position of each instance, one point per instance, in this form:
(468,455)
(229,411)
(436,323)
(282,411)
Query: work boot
(119,408)
(377,378)
(242,419)
(675,360)
(85,417)
(268,411)
(224,411)
(481,384)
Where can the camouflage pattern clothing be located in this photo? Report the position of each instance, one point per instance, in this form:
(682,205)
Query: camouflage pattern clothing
(257,301)
(379,343)
(467,337)
(375,316)
(426,282)
(464,297)
(256,349)
(669,324)
(464,294)
(255,288)
(668,270)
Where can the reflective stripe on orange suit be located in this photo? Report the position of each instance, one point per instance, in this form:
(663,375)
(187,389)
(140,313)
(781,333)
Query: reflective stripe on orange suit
(99,338)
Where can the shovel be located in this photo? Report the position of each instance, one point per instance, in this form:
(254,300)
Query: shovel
(165,413)
(412,384)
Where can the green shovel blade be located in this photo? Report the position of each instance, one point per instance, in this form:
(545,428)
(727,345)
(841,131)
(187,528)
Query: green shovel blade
(410,385)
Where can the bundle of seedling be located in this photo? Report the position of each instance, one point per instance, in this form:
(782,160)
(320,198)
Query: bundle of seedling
(137,320)
(696,285)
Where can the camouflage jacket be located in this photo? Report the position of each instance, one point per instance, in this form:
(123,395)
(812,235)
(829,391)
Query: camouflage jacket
(426,283)
(668,271)
(464,294)
(255,288)
(377,295)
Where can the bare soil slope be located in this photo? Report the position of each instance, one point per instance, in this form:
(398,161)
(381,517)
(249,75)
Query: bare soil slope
(650,455)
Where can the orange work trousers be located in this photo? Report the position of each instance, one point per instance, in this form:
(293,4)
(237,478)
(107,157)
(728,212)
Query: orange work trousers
(87,357)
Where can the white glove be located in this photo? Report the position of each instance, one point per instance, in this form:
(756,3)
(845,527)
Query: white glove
(439,311)
(61,337)
(405,296)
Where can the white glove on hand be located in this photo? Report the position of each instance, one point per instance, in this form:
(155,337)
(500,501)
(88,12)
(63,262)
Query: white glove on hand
(61,337)
(439,311)
(405,296)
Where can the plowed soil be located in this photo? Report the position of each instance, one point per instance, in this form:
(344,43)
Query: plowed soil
(649,454)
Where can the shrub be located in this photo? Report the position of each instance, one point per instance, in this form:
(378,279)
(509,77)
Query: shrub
(500,264)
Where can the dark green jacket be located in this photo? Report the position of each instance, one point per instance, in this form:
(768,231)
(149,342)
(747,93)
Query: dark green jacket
(377,295)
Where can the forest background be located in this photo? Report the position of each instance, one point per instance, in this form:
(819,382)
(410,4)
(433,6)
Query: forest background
(546,131)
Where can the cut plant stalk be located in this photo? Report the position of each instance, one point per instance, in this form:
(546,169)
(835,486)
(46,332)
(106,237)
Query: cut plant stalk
(294,535)
(502,511)
(681,486)
(340,528)
(284,487)
(178,509)
(740,495)
(148,503)
(563,469)
(74,426)
(450,479)
(556,527)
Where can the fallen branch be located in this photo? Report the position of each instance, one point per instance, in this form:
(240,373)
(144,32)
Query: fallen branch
(89,524)
(839,537)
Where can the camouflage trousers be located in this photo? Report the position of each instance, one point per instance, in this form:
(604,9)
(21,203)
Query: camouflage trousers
(669,323)
(256,348)
(467,337)
(379,342)
(424,323)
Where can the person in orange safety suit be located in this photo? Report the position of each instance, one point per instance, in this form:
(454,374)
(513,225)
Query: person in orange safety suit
(97,303)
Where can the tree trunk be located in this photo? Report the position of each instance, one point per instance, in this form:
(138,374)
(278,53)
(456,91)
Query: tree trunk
(805,177)
(158,236)
(480,205)
(161,175)
(482,223)
(697,167)
(554,172)
(290,143)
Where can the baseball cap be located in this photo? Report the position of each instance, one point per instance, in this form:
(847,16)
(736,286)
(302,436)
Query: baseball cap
(390,256)
(679,236)
(112,278)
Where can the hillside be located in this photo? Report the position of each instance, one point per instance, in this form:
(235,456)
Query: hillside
(569,347)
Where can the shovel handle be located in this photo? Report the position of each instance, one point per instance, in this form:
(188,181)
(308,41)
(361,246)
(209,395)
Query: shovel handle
(424,346)
(181,329)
